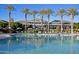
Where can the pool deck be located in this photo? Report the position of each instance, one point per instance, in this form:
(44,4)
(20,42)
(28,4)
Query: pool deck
(53,34)
(2,36)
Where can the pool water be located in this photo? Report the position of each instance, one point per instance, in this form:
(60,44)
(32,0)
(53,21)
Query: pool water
(36,44)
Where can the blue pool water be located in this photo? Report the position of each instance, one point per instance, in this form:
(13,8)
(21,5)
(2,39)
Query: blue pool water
(34,44)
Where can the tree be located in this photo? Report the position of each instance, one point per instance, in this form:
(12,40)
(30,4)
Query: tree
(61,13)
(10,8)
(15,26)
(42,12)
(72,12)
(49,12)
(26,12)
(3,24)
(34,14)
(76,27)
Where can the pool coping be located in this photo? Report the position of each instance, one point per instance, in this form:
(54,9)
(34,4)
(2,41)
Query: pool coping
(3,36)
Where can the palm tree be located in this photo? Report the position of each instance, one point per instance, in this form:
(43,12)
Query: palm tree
(72,12)
(42,12)
(48,12)
(26,12)
(34,15)
(10,8)
(61,13)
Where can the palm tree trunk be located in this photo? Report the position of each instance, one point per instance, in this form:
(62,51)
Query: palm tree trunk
(9,23)
(61,24)
(42,21)
(72,18)
(34,21)
(9,19)
(48,22)
(25,22)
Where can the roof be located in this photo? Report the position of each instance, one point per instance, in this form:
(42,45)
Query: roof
(59,21)
(3,21)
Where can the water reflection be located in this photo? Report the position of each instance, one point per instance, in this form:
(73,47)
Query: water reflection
(61,40)
(41,41)
(36,41)
(72,44)
(55,44)
(9,42)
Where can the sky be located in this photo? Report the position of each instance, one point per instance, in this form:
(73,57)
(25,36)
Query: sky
(17,15)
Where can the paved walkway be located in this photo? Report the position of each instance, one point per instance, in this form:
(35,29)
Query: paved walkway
(2,36)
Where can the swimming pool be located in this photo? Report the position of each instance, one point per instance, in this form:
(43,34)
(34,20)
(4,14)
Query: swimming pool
(36,44)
